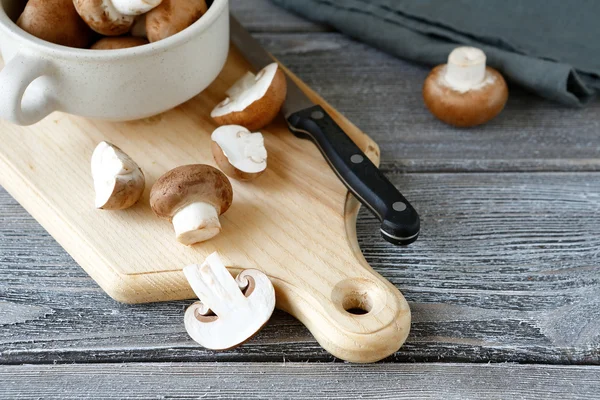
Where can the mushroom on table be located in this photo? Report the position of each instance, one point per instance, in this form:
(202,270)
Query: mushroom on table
(464,92)
(192,197)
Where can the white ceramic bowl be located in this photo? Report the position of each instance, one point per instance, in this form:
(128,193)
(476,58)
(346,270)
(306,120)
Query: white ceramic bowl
(40,77)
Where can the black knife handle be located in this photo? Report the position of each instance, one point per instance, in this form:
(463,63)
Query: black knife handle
(399,220)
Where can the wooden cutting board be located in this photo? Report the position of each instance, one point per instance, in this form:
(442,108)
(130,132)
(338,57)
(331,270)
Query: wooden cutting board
(296,222)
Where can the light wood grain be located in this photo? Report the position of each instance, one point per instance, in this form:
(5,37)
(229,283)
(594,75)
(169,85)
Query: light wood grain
(290,224)
(507,269)
(300,381)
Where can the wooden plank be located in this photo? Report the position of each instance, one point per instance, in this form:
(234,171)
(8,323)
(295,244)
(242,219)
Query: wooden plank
(300,381)
(382,96)
(507,269)
(264,16)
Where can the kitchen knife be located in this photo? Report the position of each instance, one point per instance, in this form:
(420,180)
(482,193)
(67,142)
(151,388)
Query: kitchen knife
(399,220)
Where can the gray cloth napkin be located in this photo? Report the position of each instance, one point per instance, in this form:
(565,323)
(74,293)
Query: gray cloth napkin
(550,47)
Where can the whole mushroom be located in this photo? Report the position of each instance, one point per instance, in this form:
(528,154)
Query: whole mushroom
(173,16)
(118,181)
(55,21)
(192,197)
(103,17)
(464,92)
(119,42)
(239,153)
(254,100)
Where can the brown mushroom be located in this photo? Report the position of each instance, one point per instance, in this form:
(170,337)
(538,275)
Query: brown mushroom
(173,16)
(239,153)
(118,181)
(192,197)
(103,17)
(464,92)
(119,42)
(254,100)
(55,21)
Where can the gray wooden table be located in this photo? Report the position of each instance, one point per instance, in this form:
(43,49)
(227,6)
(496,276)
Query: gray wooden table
(504,283)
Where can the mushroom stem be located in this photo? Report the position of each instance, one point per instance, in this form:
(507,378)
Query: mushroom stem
(196,222)
(466,68)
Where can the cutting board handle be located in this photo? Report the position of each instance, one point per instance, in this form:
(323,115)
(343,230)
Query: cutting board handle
(364,319)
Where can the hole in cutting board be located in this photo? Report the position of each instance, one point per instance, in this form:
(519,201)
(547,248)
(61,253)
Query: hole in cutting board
(357,303)
(358,296)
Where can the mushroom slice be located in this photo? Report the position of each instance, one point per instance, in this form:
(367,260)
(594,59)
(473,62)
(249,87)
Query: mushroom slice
(230,311)
(103,17)
(192,197)
(239,153)
(254,100)
(119,42)
(173,16)
(118,181)
(464,92)
(135,7)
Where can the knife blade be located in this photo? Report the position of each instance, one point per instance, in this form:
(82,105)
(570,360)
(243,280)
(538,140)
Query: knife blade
(400,223)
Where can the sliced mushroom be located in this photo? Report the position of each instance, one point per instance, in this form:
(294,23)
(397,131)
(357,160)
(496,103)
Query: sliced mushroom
(192,197)
(135,7)
(118,181)
(464,92)
(230,311)
(173,16)
(254,100)
(103,17)
(239,153)
(120,42)
(55,21)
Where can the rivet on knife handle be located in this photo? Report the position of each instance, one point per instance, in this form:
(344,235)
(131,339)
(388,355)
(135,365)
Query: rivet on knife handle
(399,221)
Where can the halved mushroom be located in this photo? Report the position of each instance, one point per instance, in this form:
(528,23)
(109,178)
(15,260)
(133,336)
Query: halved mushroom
(118,181)
(55,21)
(464,92)
(239,153)
(231,311)
(103,17)
(192,197)
(173,16)
(119,42)
(254,100)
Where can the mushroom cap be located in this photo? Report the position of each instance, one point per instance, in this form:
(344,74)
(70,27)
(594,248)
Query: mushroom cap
(43,18)
(103,17)
(473,107)
(119,42)
(173,16)
(189,184)
(257,106)
(239,153)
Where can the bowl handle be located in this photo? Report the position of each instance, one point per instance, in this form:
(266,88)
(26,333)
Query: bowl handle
(16,76)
